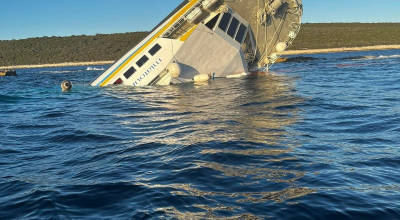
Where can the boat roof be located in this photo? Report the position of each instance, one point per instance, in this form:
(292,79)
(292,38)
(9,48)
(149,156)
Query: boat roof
(170,14)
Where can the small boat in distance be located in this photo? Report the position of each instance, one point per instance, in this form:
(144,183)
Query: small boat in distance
(209,38)
(8,73)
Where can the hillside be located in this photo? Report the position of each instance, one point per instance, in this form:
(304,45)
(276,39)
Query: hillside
(103,47)
(82,48)
(335,35)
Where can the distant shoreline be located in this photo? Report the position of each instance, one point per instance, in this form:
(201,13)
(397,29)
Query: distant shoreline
(93,63)
(342,49)
(286,53)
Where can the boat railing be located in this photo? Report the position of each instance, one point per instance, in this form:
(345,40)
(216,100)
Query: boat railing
(182,19)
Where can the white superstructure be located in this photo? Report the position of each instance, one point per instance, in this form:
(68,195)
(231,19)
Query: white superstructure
(209,37)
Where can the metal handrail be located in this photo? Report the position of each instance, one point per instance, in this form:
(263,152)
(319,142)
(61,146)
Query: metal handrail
(180,21)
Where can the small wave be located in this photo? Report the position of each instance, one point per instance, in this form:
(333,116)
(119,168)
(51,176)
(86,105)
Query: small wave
(371,57)
(94,69)
(57,71)
(388,57)
(10,99)
(302,59)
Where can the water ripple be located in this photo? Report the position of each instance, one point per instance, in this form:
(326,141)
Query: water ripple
(315,139)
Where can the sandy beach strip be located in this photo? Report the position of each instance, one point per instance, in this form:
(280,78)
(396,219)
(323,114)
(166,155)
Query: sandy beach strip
(286,53)
(58,65)
(343,49)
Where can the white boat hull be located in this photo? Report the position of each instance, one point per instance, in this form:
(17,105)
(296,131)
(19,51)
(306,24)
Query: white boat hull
(204,37)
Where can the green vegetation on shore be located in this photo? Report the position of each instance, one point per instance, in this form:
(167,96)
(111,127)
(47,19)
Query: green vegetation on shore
(47,50)
(101,47)
(336,35)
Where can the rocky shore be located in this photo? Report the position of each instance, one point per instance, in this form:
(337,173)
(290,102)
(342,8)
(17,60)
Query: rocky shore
(8,72)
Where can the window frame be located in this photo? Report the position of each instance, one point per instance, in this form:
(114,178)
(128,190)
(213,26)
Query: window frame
(234,33)
(229,22)
(157,50)
(130,73)
(141,64)
(216,23)
(244,34)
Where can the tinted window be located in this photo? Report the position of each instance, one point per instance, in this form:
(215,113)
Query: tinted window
(129,73)
(154,49)
(233,27)
(119,81)
(240,33)
(211,24)
(142,61)
(223,24)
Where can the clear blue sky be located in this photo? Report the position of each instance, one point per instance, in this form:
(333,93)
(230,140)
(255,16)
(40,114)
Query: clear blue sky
(36,18)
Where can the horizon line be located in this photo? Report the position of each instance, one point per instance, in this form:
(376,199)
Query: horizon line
(87,35)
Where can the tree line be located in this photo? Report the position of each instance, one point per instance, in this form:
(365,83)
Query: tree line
(108,47)
(47,50)
(336,35)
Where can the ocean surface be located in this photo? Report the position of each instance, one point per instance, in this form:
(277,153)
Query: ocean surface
(317,138)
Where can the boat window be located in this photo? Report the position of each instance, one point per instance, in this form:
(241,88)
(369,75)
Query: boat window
(223,24)
(211,24)
(154,49)
(119,81)
(142,61)
(233,27)
(129,73)
(240,33)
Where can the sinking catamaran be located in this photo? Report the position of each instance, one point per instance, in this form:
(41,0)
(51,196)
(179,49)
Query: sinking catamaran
(209,38)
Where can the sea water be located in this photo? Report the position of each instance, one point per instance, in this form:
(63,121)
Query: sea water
(314,139)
